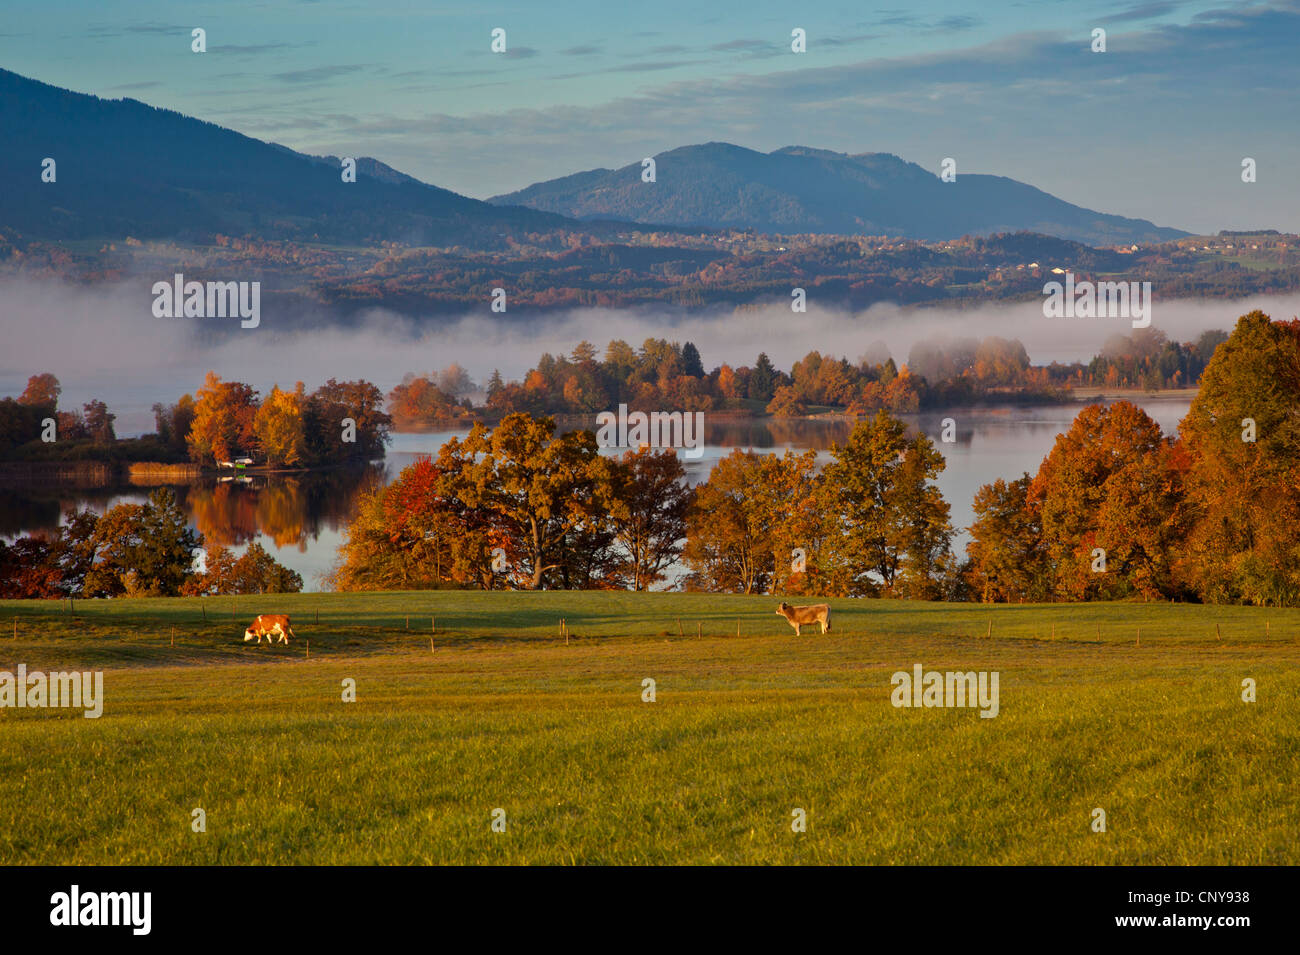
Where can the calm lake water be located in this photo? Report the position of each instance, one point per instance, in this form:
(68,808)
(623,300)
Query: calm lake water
(302,519)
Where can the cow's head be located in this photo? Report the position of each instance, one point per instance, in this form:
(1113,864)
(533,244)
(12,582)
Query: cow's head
(782,608)
(249,634)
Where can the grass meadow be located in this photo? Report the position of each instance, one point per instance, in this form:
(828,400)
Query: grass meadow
(1133,708)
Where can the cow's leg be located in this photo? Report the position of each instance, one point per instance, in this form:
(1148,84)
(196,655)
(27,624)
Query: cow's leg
(797,631)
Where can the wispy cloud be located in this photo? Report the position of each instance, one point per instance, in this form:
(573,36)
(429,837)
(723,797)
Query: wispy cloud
(1149,10)
(316,74)
(252,48)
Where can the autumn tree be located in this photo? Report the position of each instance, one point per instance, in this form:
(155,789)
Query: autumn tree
(540,489)
(1007,560)
(786,500)
(325,417)
(223,420)
(892,530)
(649,519)
(414,534)
(748,520)
(419,403)
(1243,438)
(29,568)
(253,572)
(1109,493)
(42,392)
(729,539)
(278,426)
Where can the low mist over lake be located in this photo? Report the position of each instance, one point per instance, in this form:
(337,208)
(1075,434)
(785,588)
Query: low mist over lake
(126,357)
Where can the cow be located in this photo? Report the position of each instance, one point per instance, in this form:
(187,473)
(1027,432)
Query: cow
(798,616)
(270,625)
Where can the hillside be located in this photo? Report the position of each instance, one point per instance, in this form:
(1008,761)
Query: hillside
(797,189)
(127,168)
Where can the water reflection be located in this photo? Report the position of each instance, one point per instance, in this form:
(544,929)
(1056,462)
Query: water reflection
(301,518)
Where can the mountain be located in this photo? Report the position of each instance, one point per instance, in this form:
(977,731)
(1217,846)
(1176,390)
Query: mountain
(126,168)
(797,189)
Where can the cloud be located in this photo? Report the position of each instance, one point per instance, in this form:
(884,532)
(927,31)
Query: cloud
(743,46)
(234,48)
(645,66)
(1149,10)
(585,50)
(952,24)
(844,40)
(316,74)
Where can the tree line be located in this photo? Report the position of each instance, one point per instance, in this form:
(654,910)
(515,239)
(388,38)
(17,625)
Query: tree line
(338,422)
(939,373)
(1117,509)
(134,550)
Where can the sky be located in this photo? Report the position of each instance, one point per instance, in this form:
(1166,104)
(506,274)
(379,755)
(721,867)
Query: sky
(1156,127)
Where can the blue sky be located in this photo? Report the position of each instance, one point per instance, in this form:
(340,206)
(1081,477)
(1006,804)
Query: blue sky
(1156,127)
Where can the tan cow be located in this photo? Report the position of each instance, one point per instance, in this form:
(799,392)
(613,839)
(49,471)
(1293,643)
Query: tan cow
(270,625)
(799,616)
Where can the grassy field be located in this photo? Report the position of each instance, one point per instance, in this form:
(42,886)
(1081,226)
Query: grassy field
(501,713)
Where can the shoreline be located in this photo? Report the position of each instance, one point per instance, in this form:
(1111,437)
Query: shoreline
(142,473)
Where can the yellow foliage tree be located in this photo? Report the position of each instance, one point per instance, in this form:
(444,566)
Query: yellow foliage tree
(278,425)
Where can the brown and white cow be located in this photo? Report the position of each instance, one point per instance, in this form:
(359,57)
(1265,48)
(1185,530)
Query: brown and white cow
(270,625)
(799,616)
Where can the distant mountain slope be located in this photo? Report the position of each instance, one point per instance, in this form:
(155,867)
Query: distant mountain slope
(797,189)
(126,168)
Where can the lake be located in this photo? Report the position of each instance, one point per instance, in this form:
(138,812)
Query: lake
(301,519)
